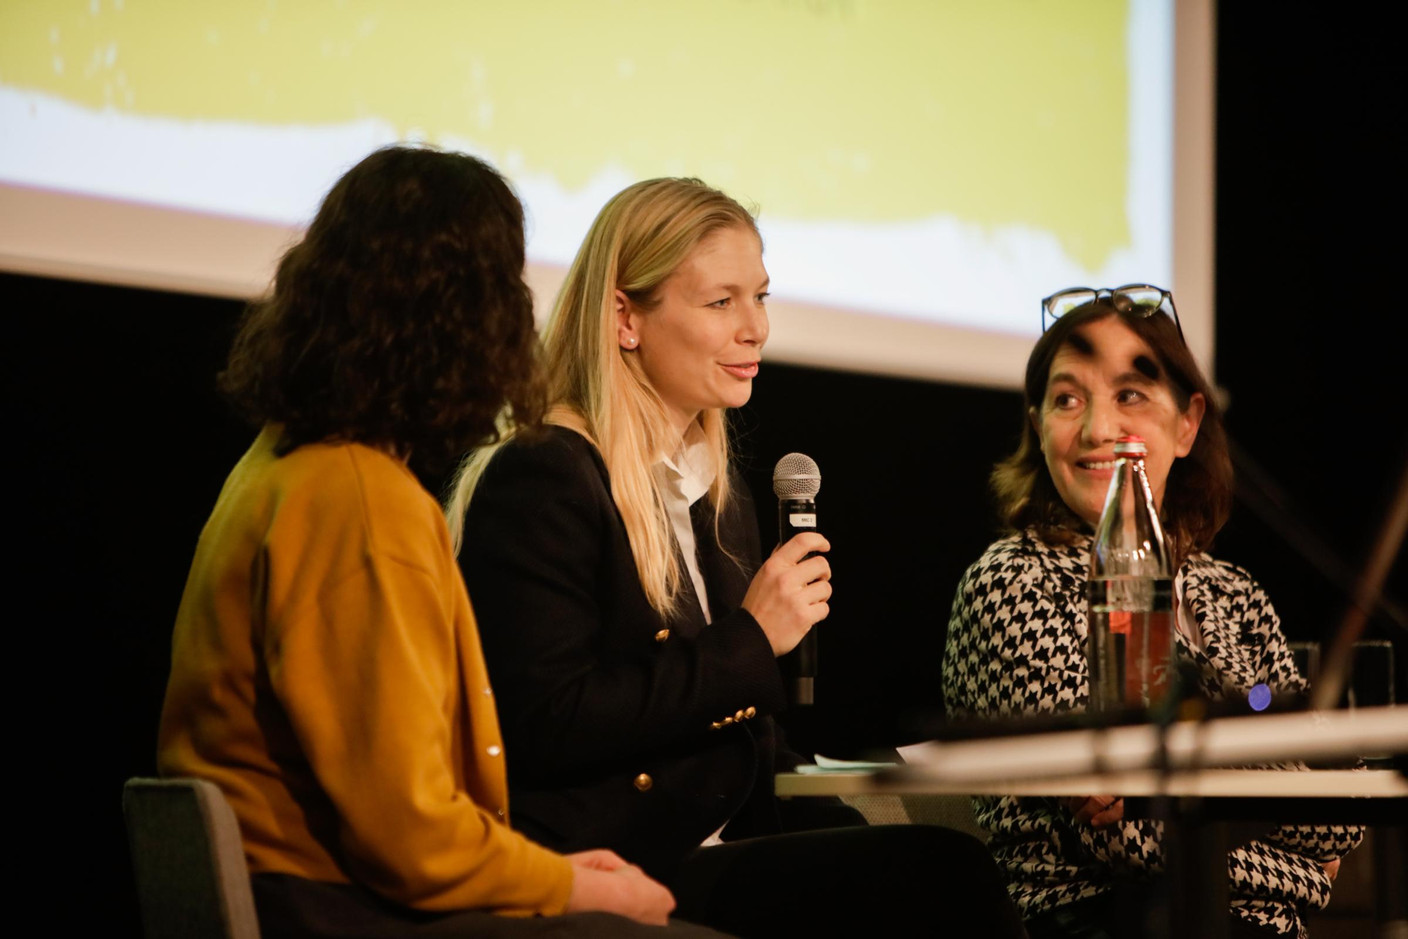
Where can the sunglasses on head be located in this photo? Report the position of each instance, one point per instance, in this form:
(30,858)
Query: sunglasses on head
(1138,299)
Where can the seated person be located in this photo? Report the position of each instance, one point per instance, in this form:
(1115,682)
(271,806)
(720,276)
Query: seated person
(632,632)
(1114,363)
(326,672)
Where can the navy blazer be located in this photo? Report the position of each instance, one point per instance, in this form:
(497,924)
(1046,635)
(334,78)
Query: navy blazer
(622,730)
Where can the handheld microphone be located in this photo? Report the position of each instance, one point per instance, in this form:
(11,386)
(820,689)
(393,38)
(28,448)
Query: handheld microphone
(795,481)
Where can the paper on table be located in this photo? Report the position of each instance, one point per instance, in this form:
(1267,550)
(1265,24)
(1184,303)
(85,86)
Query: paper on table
(825,764)
(906,752)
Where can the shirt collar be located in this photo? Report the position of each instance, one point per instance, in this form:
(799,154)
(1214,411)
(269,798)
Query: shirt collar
(690,470)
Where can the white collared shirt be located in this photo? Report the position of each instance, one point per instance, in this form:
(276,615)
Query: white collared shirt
(1183,617)
(684,478)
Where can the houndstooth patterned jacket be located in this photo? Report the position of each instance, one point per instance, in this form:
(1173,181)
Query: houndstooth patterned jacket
(1016,645)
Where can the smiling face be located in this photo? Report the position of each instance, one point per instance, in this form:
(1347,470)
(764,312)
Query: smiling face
(700,345)
(1105,383)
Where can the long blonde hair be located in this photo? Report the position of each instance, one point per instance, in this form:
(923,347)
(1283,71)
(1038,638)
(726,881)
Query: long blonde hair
(638,240)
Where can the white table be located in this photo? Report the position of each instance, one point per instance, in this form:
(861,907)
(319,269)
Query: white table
(1200,790)
(1206,783)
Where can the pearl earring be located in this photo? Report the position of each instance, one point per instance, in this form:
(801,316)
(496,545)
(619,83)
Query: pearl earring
(631,341)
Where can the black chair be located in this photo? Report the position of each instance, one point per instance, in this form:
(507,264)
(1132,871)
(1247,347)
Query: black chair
(192,882)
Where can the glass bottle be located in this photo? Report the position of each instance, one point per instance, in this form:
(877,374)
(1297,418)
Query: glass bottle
(1130,593)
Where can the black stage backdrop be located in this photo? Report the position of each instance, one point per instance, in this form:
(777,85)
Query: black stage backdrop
(119,445)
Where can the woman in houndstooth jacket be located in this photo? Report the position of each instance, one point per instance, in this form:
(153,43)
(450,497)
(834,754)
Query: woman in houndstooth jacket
(1114,363)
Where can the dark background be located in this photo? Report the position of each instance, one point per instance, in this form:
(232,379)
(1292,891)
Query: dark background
(118,447)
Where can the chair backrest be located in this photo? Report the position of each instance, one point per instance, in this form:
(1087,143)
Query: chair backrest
(954,812)
(192,881)
(950,811)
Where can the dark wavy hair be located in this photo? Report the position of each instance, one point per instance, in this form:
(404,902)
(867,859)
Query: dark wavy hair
(401,320)
(1198,494)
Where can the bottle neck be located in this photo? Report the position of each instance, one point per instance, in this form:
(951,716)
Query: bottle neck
(1129,539)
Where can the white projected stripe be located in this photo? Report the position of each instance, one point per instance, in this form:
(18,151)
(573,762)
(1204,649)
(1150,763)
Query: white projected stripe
(941,269)
(264,173)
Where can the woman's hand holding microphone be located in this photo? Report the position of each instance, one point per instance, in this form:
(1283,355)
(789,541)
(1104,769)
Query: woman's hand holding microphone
(789,594)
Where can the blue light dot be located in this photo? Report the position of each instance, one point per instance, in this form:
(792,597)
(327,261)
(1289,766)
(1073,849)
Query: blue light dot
(1259,697)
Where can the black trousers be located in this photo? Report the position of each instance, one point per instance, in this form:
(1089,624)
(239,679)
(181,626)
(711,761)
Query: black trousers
(886,880)
(294,908)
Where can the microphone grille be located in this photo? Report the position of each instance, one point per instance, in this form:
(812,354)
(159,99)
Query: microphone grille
(796,476)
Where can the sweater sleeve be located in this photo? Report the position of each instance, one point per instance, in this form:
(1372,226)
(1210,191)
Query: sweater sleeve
(1012,646)
(584,674)
(365,670)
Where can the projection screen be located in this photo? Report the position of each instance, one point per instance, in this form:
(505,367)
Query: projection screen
(923,172)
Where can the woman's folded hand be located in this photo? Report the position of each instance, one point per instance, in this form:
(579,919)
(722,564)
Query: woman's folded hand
(1097,811)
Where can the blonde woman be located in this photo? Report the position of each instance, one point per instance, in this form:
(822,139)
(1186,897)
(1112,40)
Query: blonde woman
(630,630)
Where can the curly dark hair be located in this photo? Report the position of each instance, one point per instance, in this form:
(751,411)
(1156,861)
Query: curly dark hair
(401,320)
(1198,495)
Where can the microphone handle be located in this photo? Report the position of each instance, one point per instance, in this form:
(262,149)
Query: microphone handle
(793,516)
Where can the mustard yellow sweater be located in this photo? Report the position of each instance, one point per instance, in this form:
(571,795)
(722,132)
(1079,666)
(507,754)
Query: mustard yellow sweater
(326,674)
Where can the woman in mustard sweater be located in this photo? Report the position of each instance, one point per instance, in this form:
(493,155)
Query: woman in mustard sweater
(326,668)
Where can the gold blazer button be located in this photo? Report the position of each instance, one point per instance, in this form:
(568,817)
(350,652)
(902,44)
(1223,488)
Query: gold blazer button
(662,635)
(643,782)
